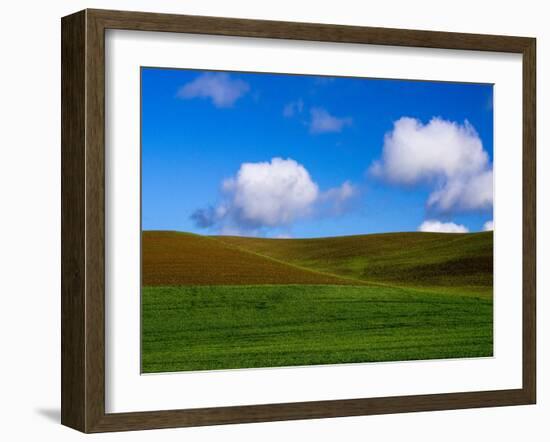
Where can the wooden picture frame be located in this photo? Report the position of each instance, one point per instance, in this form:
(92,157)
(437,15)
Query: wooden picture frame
(83,220)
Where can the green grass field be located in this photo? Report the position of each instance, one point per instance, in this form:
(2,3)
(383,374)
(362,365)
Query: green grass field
(232,302)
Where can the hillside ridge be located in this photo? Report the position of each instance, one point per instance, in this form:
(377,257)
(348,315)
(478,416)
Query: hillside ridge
(394,259)
(410,258)
(177,258)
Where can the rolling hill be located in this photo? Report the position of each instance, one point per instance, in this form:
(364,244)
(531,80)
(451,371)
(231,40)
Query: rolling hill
(411,259)
(174,258)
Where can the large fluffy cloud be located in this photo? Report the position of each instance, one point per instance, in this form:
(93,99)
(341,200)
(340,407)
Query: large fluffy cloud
(433,225)
(322,121)
(445,154)
(271,194)
(223,90)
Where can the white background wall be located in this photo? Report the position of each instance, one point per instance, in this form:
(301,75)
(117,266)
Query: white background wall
(30,217)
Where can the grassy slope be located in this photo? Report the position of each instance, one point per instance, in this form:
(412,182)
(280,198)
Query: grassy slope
(173,258)
(222,327)
(411,259)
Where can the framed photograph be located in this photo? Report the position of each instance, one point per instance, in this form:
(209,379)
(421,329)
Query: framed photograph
(268,221)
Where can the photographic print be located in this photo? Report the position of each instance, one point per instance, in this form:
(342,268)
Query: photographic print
(296,220)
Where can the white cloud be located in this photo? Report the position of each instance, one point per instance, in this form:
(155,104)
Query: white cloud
(341,193)
(293,108)
(446,154)
(270,195)
(223,90)
(283,236)
(322,121)
(437,226)
(489,225)
(336,200)
(464,193)
(414,152)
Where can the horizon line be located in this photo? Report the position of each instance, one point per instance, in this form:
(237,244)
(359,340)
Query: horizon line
(315,237)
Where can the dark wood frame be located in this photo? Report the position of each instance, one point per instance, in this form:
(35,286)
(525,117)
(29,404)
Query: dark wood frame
(83,217)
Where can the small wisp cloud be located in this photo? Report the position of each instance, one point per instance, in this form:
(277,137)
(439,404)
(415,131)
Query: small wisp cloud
(293,108)
(441,227)
(488,226)
(221,88)
(322,121)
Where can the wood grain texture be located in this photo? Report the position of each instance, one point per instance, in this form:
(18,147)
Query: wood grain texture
(95,222)
(73,129)
(308,410)
(529,221)
(145,21)
(83,220)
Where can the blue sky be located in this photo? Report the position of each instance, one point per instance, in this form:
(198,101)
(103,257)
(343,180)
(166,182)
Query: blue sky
(305,156)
